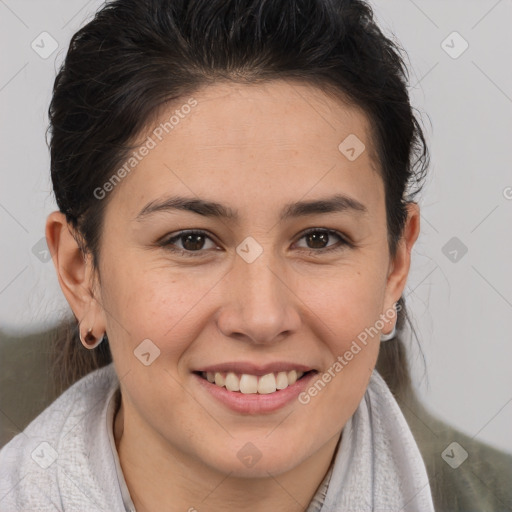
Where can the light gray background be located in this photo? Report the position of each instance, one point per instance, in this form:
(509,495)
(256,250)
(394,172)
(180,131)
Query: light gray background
(462,309)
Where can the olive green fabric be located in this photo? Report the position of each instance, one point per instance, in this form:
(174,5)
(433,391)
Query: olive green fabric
(25,381)
(482,483)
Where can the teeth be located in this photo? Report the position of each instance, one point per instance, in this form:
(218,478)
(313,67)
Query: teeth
(248,384)
(232,382)
(219,379)
(251,384)
(267,384)
(282,380)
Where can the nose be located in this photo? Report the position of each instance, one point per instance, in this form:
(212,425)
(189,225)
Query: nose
(259,306)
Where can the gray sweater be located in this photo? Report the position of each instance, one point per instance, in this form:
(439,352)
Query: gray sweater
(47,463)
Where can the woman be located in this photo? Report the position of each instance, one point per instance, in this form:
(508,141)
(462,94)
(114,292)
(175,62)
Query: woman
(235,183)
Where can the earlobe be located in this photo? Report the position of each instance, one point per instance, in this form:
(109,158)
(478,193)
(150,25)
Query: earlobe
(73,268)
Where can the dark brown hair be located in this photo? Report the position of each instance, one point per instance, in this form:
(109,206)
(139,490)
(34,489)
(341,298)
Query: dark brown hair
(136,55)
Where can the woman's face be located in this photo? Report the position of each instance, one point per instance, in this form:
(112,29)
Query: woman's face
(252,293)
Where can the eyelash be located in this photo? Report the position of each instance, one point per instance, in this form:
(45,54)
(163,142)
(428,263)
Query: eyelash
(167,243)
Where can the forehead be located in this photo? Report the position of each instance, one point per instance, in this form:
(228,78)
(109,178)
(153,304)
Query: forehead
(271,114)
(274,142)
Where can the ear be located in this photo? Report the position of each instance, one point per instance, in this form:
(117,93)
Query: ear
(75,273)
(400,264)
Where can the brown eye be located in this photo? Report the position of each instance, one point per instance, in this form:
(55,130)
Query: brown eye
(192,242)
(318,240)
(188,242)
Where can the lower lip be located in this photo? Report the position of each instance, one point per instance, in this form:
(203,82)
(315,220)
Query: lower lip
(255,403)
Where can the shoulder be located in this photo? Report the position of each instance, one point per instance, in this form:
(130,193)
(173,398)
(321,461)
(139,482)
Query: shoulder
(34,461)
(465,474)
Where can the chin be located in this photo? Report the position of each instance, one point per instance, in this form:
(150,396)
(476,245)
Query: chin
(256,459)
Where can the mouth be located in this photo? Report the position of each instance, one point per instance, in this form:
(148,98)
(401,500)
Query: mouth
(251,384)
(247,387)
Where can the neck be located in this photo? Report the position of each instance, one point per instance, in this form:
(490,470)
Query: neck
(167,479)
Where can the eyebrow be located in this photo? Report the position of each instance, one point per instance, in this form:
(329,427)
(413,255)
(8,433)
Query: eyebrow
(332,204)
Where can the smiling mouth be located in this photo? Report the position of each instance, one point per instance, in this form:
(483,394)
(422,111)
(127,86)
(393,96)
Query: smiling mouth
(254,384)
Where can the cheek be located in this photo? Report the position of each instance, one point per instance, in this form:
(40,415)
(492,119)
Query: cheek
(156,303)
(348,306)
(351,312)
(347,301)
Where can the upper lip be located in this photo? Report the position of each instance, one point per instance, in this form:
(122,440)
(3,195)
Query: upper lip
(251,368)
